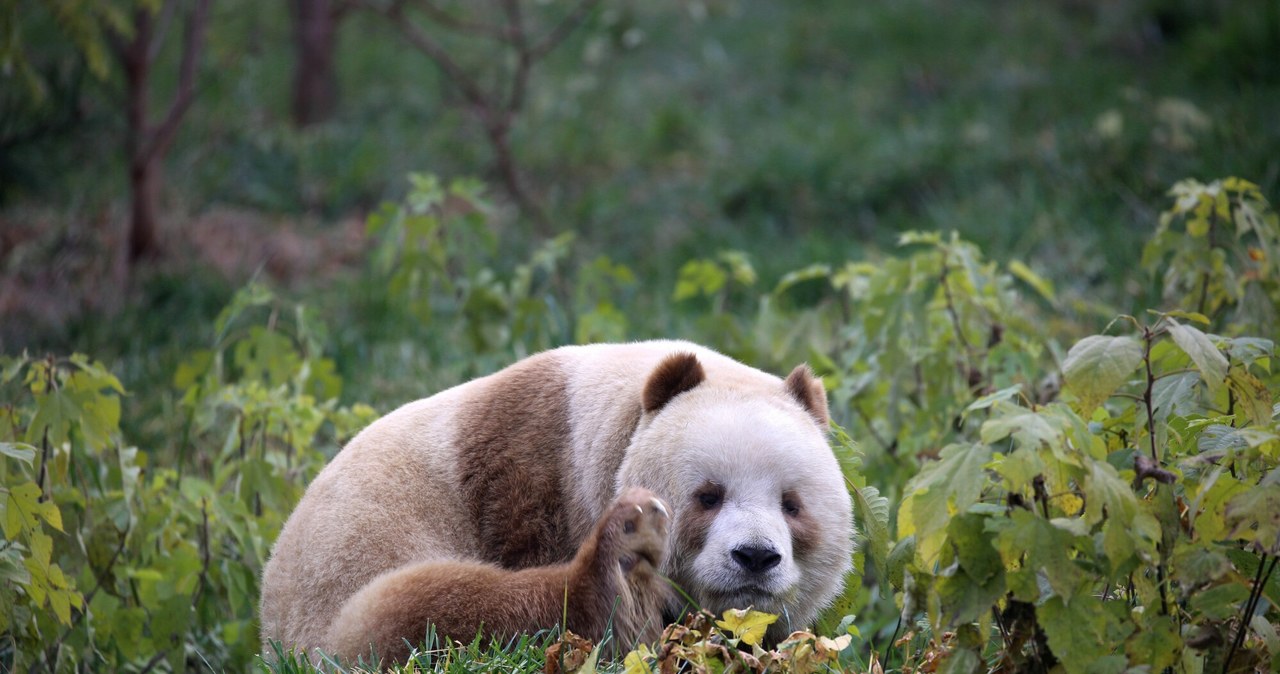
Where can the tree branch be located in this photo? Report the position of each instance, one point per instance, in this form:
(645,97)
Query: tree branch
(165,16)
(192,45)
(452,22)
(424,43)
(565,28)
(524,58)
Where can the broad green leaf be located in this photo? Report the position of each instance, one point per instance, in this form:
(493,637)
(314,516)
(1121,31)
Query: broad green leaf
(1107,495)
(18,450)
(1030,430)
(1174,395)
(1209,506)
(1254,516)
(192,368)
(699,277)
(941,489)
(1096,366)
(992,398)
(1119,546)
(1195,566)
(739,265)
(10,368)
(1220,602)
(973,547)
(903,552)
(56,411)
(99,411)
(961,661)
(1020,468)
(1220,439)
(1046,549)
(1250,351)
(1081,629)
(1157,644)
(872,513)
(1197,345)
(254,294)
(979,581)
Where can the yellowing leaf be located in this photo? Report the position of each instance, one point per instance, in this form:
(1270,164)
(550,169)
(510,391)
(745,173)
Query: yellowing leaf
(746,624)
(636,661)
(20,508)
(827,644)
(1070,504)
(1251,395)
(1040,284)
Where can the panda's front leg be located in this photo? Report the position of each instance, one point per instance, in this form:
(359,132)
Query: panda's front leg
(612,584)
(615,579)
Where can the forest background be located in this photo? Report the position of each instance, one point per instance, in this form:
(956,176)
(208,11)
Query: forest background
(232,233)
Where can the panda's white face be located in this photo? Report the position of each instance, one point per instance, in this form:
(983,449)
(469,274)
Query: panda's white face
(762,517)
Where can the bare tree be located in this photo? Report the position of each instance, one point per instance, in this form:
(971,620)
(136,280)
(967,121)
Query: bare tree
(496,105)
(148,143)
(315,79)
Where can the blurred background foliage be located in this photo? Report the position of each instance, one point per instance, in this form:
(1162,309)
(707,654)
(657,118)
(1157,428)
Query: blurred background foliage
(778,180)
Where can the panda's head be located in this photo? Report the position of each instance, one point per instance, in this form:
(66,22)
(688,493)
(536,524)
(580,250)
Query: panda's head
(762,516)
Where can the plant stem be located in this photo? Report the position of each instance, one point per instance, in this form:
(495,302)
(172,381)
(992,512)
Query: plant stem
(44,463)
(1250,605)
(951,311)
(1148,336)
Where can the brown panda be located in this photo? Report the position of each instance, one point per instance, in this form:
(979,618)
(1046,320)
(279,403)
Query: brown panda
(572,483)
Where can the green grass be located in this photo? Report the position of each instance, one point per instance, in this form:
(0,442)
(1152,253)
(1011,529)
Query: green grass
(525,653)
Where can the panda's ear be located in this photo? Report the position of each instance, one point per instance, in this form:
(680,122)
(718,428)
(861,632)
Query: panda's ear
(810,393)
(676,374)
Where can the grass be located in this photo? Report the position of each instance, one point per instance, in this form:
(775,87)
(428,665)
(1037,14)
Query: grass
(525,653)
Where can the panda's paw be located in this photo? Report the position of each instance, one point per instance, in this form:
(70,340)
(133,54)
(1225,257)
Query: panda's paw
(638,524)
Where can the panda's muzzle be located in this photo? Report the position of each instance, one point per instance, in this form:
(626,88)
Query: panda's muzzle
(756,559)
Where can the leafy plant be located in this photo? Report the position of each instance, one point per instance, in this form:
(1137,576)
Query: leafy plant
(1135,517)
(1224,256)
(109,562)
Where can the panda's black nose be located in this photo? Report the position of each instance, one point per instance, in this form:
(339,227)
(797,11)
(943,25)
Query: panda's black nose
(756,559)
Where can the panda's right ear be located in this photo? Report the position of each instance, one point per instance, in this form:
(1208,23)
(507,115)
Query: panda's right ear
(676,374)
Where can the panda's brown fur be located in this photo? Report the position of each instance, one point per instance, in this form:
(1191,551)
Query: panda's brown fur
(571,484)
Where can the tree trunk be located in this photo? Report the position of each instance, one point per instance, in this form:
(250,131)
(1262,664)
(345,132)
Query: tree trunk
(315,82)
(147,143)
(143,182)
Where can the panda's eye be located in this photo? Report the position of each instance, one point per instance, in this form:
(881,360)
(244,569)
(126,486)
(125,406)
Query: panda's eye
(710,496)
(790,505)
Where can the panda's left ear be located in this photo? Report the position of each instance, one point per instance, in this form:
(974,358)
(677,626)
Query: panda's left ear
(810,393)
